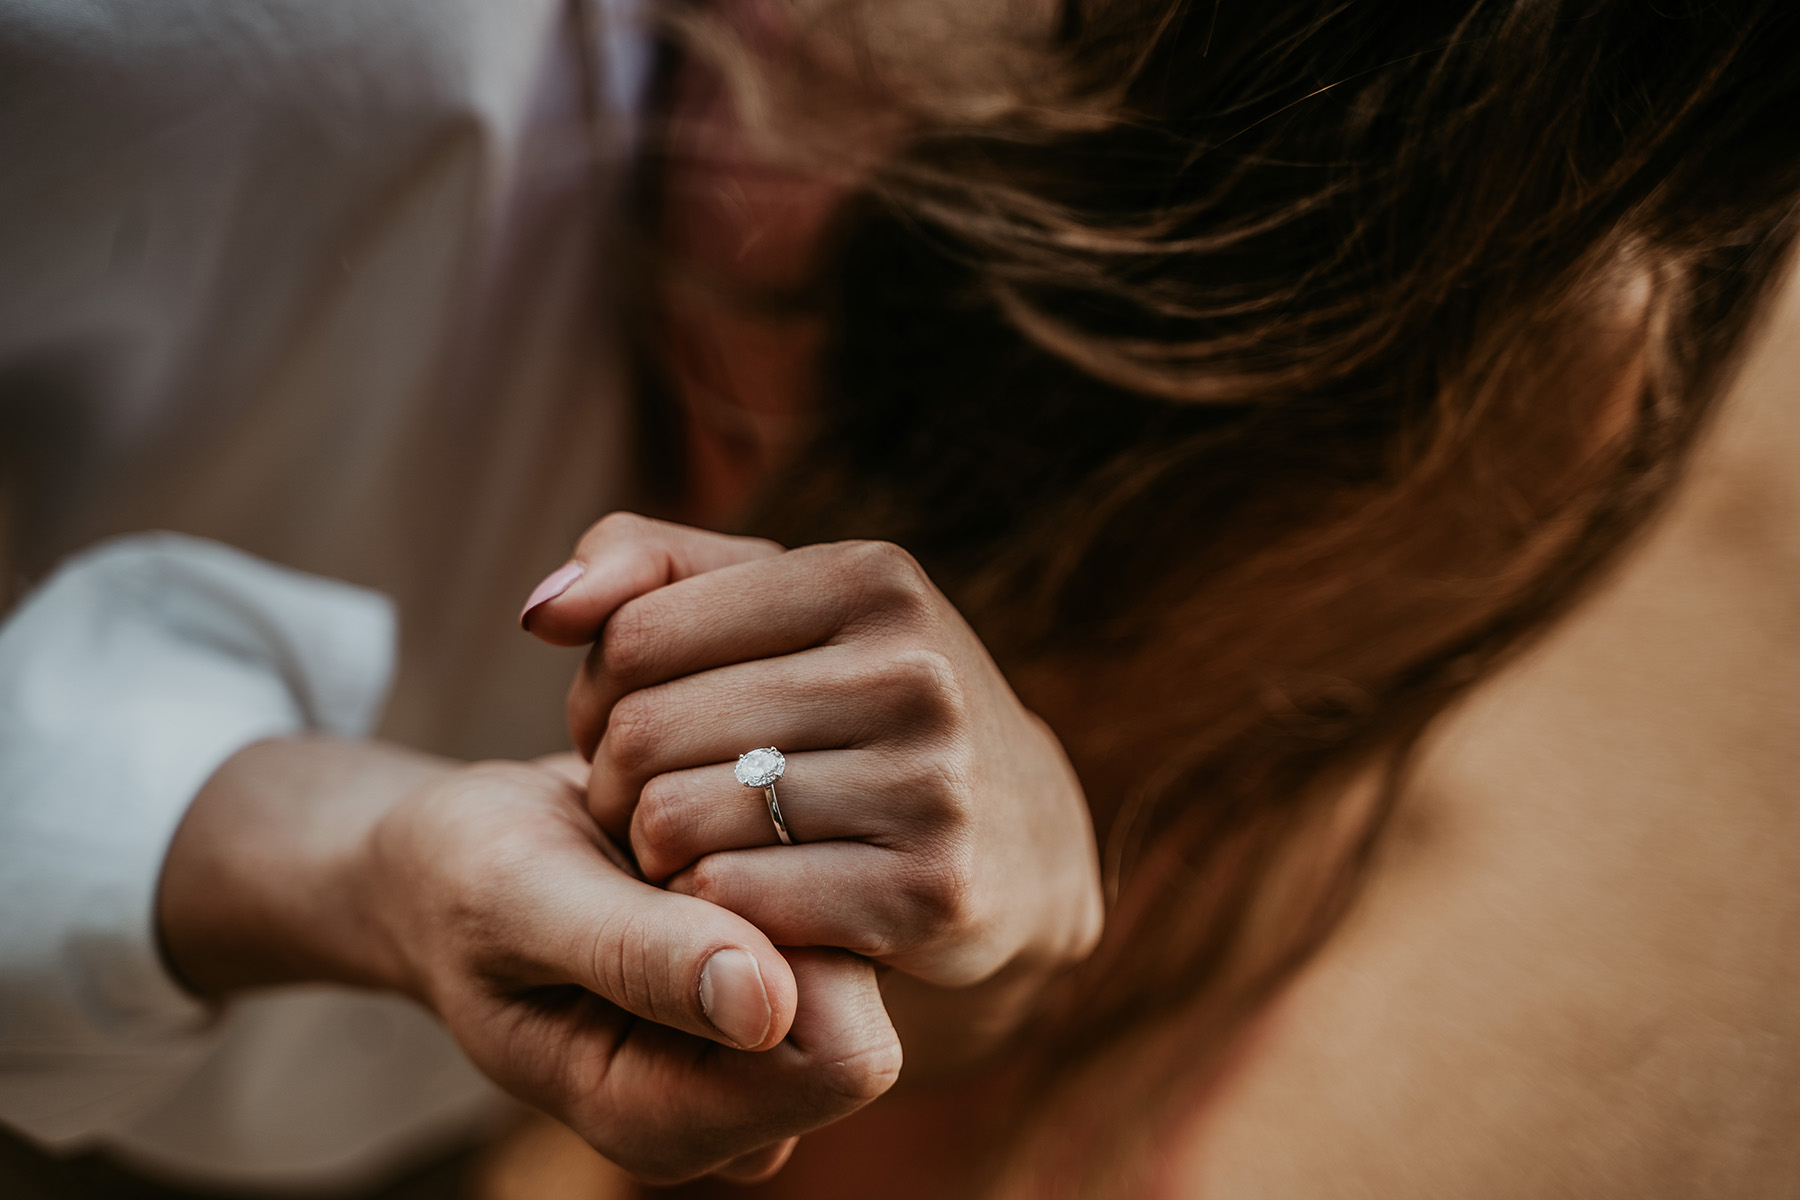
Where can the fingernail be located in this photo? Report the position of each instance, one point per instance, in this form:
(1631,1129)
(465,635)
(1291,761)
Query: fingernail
(553,586)
(733,998)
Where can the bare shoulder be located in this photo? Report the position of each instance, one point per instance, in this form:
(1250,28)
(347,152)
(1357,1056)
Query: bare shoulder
(1577,970)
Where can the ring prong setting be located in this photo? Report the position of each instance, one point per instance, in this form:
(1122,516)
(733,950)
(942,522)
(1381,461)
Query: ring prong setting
(760,768)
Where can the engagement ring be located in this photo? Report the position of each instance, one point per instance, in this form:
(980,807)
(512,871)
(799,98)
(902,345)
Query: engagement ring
(760,769)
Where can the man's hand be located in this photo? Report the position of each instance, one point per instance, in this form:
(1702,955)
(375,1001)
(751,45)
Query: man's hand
(668,1032)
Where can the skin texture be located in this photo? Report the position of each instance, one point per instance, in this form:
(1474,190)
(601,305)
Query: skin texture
(487,893)
(958,847)
(1569,976)
(943,831)
(1573,974)
(945,835)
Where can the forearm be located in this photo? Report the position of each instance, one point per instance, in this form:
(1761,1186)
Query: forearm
(265,881)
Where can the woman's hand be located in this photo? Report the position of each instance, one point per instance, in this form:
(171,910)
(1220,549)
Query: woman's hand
(941,829)
(488,893)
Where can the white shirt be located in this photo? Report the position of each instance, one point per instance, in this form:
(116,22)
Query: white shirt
(327,281)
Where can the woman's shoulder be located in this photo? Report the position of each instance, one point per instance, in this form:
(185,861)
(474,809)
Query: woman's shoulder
(1574,970)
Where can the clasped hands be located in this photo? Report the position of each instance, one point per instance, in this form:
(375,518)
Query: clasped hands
(638,995)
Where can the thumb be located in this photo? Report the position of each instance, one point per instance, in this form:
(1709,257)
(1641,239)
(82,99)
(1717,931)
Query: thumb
(667,1114)
(622,557)
(671,959)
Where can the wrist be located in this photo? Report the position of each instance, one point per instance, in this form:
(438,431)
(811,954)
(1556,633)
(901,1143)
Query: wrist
(268,879)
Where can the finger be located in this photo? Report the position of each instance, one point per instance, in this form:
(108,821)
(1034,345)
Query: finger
(675,960)
(572,770)
(566,766)
(830,698)
(863,795)
(758,1165)
(623,556)
(760,609)
(889,905)
(668,1108)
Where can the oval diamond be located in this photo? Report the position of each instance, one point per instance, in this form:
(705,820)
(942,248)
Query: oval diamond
(760,768)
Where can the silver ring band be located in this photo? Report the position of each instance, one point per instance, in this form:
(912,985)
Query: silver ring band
(760,769)
(781,829)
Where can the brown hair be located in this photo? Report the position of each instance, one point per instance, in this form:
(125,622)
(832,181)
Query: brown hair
(1255,377)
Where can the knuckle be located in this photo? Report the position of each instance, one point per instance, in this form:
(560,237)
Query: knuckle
(919,683)
(628,644)
(866,1072)
(614,527)
(887,558)
(706,880)
(888,939)
(941,895)
(938,791)
(661,826)
(892,579)
(631,733)
(920,672)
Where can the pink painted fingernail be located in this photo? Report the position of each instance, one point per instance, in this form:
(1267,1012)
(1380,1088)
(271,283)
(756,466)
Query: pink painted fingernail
(733,997)
(553,586)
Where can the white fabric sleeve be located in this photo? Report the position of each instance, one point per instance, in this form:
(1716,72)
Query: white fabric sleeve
(126,680)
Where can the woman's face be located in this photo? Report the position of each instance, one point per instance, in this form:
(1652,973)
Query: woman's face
(743,242)
(748,206)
